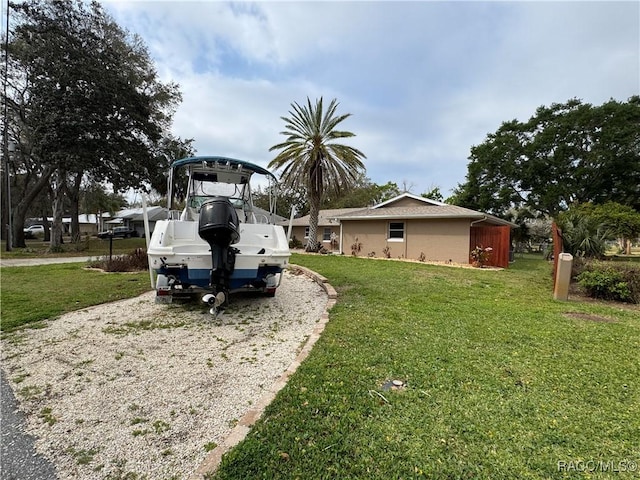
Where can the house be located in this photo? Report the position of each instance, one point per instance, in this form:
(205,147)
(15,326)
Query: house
(88,222)
(413,227)
(328,227)
(134,218)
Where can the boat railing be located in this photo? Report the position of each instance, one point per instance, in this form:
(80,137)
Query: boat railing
(174,214)
(260,218)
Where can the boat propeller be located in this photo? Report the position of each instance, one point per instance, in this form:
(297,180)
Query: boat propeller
(215,301)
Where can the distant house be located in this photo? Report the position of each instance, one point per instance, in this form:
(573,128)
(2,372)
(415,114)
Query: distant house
(412,227)
(89,223)
(134,218)
(328,227)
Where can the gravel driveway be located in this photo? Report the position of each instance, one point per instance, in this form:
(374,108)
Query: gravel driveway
(137,388)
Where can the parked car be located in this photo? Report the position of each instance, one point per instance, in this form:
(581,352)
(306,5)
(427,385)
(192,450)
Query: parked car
(118,232)
(33,230)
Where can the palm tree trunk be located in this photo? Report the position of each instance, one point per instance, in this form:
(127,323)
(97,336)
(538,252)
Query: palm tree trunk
(314,209)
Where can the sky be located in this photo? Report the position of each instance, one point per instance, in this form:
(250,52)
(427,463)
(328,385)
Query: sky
(424,81)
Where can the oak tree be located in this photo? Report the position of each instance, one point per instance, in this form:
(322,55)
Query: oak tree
(85,101)
(565,154)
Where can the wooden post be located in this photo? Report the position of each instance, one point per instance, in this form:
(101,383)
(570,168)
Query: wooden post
(557,248)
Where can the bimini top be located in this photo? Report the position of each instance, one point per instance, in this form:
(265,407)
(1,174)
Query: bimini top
(222,162)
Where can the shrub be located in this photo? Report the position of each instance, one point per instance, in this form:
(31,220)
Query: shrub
(132,262)
(480,255)
(356,247)
(295,243)
(611,281)
(82,245)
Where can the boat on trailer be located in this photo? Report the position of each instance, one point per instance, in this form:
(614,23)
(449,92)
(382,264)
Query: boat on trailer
(218,243)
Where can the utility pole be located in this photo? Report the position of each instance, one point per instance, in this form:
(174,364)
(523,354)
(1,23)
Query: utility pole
(5,137)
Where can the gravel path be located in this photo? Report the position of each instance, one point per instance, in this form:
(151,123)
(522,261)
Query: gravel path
(137,388)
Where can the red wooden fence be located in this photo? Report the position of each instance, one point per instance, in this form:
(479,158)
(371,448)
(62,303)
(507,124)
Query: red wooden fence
(496,237)
(556,234)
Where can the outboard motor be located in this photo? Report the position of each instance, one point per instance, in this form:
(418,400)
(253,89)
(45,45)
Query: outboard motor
(218,226)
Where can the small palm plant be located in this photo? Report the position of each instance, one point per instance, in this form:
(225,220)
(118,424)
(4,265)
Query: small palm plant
(582,235)
(311,158)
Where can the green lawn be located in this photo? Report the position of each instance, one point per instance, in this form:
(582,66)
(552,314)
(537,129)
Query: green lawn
(501,382)
(90,247)
(32,294)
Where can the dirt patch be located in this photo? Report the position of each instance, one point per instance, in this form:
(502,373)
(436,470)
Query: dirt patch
(589,317)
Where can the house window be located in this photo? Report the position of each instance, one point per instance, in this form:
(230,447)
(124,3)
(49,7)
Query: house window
(326,235)
(306,232)
(396,231)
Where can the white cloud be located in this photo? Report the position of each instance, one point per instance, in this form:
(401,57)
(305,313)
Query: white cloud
(424,80)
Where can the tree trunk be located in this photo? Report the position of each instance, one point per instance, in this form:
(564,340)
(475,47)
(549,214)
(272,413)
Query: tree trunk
(47,229)
(19,217)
(74,198)
(312,242)
(315,191)
(55,245)
(6,211)
(21,207)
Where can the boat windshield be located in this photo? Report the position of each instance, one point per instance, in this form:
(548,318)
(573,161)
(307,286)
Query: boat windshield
(208,178)
(203,191)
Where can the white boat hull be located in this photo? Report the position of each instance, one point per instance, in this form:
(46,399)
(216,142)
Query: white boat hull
(182,260)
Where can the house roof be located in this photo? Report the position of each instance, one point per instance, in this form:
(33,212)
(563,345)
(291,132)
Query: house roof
(83,218)
(407,195)
(425,212)
(136,214)
(403,207)
(408,206)
(326,218)
(417,211)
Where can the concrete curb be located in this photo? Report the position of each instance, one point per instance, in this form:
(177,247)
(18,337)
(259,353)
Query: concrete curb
(211,463)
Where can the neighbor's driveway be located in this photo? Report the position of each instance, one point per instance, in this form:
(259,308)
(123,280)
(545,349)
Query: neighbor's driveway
(28,262)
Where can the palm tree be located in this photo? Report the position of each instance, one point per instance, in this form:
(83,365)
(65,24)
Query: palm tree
(311,160)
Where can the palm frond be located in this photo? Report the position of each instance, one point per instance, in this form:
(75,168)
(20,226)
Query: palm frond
(309,158)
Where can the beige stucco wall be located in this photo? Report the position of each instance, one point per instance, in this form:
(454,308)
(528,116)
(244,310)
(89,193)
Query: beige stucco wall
(440,240)
(298,232)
